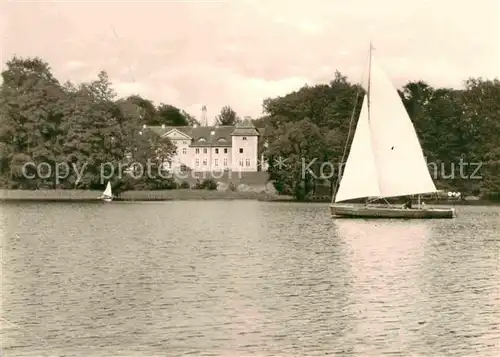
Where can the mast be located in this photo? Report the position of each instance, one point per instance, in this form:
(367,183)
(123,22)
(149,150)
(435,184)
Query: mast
(367,200)
(339,175)
(369,79)
(368,91)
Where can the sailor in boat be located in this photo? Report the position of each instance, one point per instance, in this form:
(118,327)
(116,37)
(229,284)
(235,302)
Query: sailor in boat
(407,204)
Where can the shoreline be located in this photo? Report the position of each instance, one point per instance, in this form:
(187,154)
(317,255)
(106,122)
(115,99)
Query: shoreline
(88,196)
(91,196)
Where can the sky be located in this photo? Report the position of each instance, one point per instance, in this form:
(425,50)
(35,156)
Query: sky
(239,52)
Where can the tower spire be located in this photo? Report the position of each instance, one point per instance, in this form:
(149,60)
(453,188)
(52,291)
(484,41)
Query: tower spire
(204,115)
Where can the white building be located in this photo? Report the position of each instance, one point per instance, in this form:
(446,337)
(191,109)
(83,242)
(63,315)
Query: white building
(214,148)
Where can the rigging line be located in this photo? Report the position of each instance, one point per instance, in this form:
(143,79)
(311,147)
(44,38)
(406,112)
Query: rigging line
(360,88)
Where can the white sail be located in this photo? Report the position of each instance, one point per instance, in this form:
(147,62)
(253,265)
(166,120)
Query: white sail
(401,166)
(386,158)
(107,192)
(359,178)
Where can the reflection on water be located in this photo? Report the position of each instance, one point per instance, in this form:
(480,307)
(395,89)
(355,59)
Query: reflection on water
(459,279)
(385,258)
(245,278)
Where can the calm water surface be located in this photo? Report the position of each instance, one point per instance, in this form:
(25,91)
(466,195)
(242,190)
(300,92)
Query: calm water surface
(245,278)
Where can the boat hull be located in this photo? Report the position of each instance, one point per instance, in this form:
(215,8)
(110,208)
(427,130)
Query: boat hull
(105,198)
(361,211)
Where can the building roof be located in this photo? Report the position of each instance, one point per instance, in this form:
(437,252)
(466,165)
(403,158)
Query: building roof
(209,136)
(245,128)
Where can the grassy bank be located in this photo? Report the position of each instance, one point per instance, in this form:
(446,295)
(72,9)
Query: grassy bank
(49,195)
(160,195)
(188,194)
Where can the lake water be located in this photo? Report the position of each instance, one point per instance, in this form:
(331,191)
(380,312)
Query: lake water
(245,278)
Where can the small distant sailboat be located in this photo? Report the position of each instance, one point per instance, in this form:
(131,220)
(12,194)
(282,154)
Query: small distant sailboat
(107,195)
(385,159)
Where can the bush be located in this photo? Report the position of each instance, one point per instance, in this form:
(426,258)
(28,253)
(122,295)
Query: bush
(184,184)
(492,196)
(210,184)
(128,183)
(207,184)
(231,187)
(198,185)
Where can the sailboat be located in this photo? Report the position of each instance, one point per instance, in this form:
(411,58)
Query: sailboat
(107,195)
(386,158)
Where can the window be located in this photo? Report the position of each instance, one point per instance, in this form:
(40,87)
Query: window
(184,143)
(184,151)
(241,162)
(197,151)
(216,151)
(216,162)
(247,162)
(241,150)
(205,162)
(225,151)
(225,162)
(244,138)
(205,150)
(197,162)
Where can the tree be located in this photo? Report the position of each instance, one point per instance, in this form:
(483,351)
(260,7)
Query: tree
(169,115)
(481,120)
(293,152)
(94,137)
(26,72)
(454,127)
(140,107)
(327,108)
(227,116)
(191,120)
(31,119)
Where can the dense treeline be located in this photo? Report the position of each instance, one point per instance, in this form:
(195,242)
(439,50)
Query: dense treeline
(459,130)
(74,135)
(87,125)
